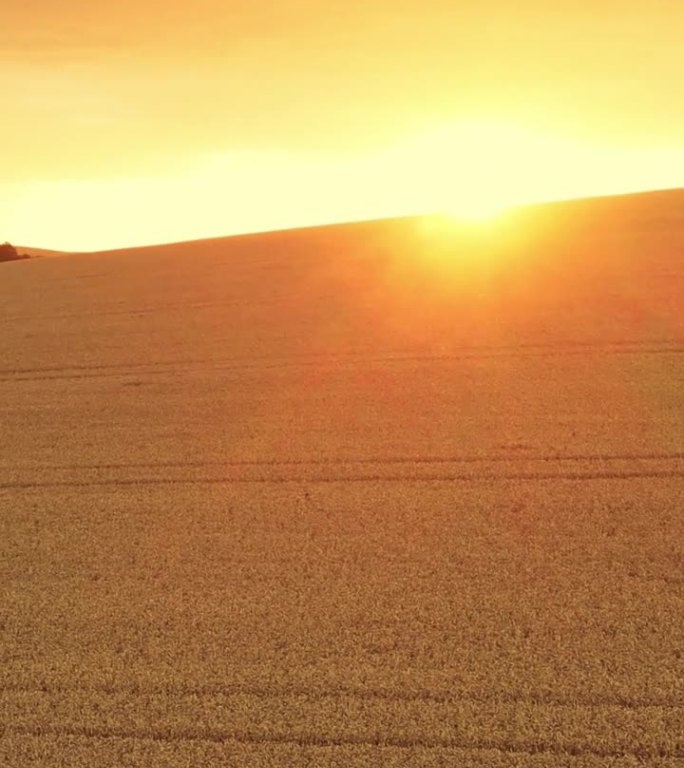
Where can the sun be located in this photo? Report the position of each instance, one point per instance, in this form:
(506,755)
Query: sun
(474,211)
(474,169)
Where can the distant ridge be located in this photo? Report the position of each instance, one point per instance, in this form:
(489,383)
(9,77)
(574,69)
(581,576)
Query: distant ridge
(647,203)
(40,251)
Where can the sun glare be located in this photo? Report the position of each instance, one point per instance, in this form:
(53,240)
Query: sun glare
(471,171)
(474,211)
(474,169)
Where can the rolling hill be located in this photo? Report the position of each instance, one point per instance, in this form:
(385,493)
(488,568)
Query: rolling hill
(404,492)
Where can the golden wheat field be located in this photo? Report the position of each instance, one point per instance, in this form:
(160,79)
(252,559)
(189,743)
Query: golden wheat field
(399,493)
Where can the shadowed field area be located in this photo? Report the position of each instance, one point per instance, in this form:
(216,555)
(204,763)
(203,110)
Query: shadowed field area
(398,493)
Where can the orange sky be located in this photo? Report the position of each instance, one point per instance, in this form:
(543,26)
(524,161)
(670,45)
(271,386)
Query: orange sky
(146,121)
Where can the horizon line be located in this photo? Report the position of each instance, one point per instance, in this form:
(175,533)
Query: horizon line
(352,222)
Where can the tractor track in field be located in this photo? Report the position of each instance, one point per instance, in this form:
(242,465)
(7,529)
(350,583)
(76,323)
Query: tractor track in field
(265,362)
(416,469)
(148,310)
(379,741)
(370,460)
(542,699)
(357,478)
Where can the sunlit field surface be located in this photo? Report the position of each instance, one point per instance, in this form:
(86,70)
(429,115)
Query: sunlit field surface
(400,493)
